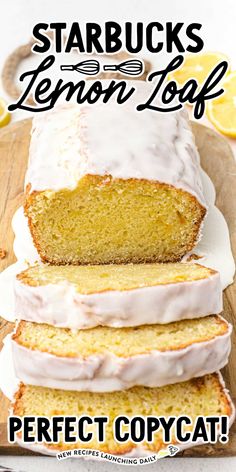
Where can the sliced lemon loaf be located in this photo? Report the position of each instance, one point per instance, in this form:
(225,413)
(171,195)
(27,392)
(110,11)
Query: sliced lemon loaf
(109,184)
(201,396)
(116,295)
(106,359)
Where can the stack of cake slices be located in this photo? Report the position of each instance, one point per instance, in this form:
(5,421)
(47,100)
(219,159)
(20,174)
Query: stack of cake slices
(112,322)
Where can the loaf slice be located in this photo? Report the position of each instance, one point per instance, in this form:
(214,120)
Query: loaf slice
(116,295)
(106,359)
(201,396)
(106,184)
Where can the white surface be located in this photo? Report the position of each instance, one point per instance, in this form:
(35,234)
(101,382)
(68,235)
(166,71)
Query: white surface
(218,18)
(37,464)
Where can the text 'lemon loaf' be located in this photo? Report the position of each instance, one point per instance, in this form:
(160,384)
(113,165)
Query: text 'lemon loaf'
(116,295)
(106,183)
(201,396)
(109,359)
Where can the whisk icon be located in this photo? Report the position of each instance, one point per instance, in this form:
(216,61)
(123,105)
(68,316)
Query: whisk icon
(92,67)
(130,67)
(88,67)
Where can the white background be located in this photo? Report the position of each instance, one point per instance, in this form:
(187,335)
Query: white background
(219,33)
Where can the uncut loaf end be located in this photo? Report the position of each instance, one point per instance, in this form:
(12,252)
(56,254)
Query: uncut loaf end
(106,184)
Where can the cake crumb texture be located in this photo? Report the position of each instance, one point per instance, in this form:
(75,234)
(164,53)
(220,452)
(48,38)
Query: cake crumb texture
(105,220)
(99,278)
(122,342)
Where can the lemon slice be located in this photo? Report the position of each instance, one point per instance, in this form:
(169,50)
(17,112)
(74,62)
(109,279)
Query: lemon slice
(197,66)
(5,116)
(222,110)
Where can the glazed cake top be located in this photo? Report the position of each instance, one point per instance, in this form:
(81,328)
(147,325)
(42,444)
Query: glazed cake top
(73,140)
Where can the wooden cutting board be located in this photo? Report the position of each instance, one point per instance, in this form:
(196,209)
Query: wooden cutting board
(217,160)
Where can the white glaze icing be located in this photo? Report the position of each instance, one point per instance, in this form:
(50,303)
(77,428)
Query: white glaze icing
(214,248)
(108,372)
(9,383)
(7,283)
(137,451)
(69,142)
(61,305)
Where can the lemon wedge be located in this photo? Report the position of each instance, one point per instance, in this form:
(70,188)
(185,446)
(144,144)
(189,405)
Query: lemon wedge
(221,111)
(5,116)
(197,66)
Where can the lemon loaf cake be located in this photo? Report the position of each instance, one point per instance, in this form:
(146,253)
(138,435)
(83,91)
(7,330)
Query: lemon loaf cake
(108,184)
(109,359)
(116,295)
(201,396)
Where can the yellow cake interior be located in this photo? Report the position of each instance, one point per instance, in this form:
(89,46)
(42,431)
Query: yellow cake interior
(93,278)
(123,342)
(107,220)
(200,396)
